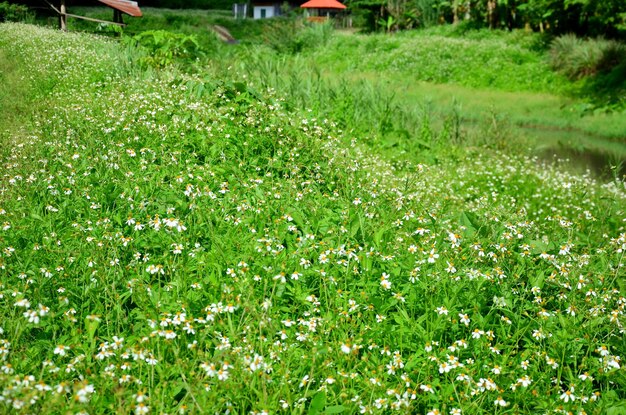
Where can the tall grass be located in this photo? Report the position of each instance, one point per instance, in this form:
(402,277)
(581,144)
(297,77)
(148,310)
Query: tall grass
(375,110)
(482,60)
(578,58)
(381,82)
(400,118)
(292,35)
(360,107)
(427,12)
(598,64)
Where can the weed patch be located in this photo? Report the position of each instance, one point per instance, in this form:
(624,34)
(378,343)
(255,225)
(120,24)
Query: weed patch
(194,243)
(599,65)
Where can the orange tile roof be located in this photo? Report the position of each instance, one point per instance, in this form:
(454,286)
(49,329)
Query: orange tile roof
(323,4)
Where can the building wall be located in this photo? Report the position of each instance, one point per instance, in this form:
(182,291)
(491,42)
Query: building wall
(261,12)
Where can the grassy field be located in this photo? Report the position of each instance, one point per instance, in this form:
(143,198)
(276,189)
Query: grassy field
(482,80)
(495,87)
(15,113)
(196,242)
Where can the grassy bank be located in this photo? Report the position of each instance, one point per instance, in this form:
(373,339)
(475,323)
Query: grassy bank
(191,244)
(14,109)
(401,114)
(481,78)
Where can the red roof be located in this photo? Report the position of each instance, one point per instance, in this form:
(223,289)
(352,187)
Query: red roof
(323,4)
(125,6)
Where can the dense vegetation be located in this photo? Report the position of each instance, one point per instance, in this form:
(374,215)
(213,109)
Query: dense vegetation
(15,13)
(415,81)
(583,17)
(193,241)
(171,4)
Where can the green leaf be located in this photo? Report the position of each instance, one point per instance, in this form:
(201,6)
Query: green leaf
(354,227)
(378,237)
(537,280)
(280,290)
(91,325)
(617,410)
(468,220)
(317,403)
(538,246)
(335,409)
(413,361)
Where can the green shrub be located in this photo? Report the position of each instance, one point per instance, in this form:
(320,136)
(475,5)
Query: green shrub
(579,58)
(294,35)
(15,13)
(165,48)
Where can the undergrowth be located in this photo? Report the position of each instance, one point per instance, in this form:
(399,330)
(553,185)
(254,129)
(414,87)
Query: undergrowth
(15,13)
(488,61)
(191,244)
(599,65)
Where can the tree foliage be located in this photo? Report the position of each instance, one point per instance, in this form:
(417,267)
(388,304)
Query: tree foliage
(583,17)
(14,13)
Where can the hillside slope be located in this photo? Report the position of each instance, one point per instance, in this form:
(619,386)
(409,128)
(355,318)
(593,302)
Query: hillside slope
(175,243)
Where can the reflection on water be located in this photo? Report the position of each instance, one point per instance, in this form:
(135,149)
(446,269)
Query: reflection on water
(601,164)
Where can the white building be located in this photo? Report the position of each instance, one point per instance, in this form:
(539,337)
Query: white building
(265,10)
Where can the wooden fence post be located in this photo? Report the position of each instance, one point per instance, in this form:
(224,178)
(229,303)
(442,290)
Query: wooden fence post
(63,16)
